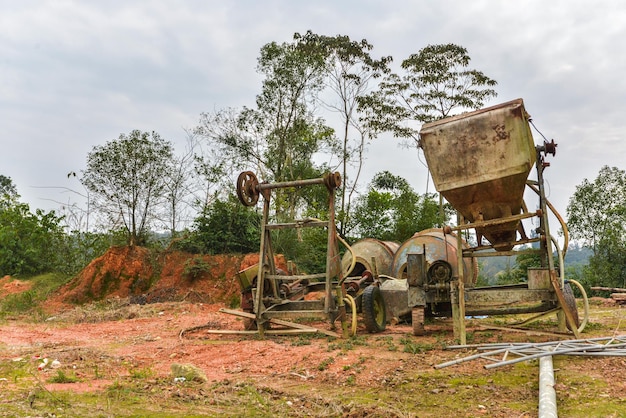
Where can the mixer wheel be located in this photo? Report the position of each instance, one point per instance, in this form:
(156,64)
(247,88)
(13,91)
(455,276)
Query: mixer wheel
(373,307)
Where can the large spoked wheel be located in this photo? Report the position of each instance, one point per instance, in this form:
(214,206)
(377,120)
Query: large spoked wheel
(373,307)
(570,301)
(247,188)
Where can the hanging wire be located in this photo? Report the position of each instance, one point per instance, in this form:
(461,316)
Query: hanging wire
(538,131)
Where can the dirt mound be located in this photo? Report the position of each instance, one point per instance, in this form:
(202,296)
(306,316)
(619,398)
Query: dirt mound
(9,286)
(147,277)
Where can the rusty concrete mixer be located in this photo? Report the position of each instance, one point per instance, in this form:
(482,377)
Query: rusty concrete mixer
(480,163)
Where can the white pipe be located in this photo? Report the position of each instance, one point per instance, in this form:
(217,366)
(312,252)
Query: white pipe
(547,394)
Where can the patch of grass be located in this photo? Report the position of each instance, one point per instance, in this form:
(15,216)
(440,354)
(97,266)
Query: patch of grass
(234,301)
(301,339)
(196,268)
(62,377)
(143,373)
(594,326)
(387,342)
(413,346)
(15,370)
(41,287)
(324,364)
(348,343)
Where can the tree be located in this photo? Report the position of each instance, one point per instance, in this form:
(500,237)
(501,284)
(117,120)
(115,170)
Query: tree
(596,215)
(127,179)
(29,242)
(436,83)
(349,69)
(224,226)
(8,191)
(180,187)
(279,137)
(597,210)
(392,211)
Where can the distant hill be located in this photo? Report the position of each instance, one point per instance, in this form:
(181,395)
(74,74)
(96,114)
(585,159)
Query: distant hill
(576,257)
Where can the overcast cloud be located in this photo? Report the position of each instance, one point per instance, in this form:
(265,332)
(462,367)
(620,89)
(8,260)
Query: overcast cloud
(75,74)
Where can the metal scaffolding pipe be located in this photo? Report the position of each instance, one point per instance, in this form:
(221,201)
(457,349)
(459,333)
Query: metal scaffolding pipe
(547,394)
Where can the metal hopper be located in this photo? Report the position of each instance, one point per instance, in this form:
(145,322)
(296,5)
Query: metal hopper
(479,162)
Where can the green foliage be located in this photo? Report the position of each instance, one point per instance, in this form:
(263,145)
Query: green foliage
(436,82)
(281,134)
(196,267)
(127,179)
(41,287)
(518,272)
(349,70)
(77,249)
(414,346)
(325,364)
(596,211)
(226,226)
(392,211)
(62,377)
(307,247)
(597,218)
(29,241)
(8,191)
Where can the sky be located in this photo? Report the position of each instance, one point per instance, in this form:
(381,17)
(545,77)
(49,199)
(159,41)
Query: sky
(77,74)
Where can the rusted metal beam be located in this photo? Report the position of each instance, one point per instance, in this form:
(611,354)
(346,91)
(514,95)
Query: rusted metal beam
(492,222)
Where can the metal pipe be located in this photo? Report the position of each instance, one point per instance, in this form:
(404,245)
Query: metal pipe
(547,394)
(294,183)
(493,222)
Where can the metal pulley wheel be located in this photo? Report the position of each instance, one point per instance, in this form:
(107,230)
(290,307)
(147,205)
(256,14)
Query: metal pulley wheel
(247,190)
(332,180)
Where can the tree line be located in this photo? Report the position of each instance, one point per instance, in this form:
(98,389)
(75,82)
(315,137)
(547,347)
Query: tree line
(137,183)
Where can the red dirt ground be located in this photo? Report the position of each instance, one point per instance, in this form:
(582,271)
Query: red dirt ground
(147,333)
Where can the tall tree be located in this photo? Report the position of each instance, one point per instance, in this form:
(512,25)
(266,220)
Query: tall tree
(597,210)
(29,242)
(127,179)
(279,137)
(8,191)
(597,217)
(436,83)
(349,71)
(180,187)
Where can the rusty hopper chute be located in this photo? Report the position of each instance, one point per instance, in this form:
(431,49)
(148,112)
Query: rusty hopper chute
(479,162)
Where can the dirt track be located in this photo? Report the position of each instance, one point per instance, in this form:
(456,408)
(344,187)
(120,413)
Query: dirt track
(388,374)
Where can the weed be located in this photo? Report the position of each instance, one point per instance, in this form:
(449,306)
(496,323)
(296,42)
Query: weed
(413,347)
(62,377)
(143,373)
(387,342)
(324,364)
(594,326)
(348,344)
(234,302)
(304,339)
(196,267)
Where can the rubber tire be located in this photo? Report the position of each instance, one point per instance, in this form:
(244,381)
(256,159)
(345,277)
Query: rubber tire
(374,312)
(417,320)
(570,300)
